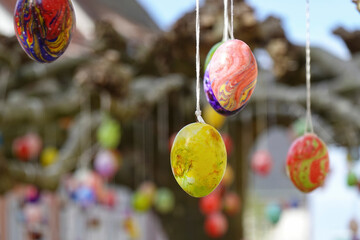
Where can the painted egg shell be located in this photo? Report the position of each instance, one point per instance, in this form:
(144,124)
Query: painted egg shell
(213,118)
(198,159)
(216,225)
(211,54)
(44,27)
(232,74)
(262,162)
(307,162)
(210,96)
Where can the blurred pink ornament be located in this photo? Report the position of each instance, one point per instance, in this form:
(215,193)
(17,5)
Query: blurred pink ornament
(231,203)
(261,162)
(32,194)
(33,213)
(107,163)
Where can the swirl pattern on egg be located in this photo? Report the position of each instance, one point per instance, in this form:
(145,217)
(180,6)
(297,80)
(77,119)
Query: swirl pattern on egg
(233,74)
(209,93)
(307,162)
(44,27)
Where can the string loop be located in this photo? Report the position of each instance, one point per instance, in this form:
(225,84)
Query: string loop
(198,111)
(232,20)
(226,22)
(308,72)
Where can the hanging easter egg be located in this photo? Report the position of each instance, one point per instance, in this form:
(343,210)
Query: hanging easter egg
(211,54)
(32,194)
(210,203)
(298,127)
(231,203)
(351,179)
(44,27)
(89,179)
(164,200)
(27,147)
(141,202)
(85,196)
(354,227)
(261,162)
(228,143)
(213,118)
(71,185)
(229,176)
(307,162)
(294,203)
(216,225)
(132,228)
(273,213)
(49,156)
(33,213)
(198,159)
(148,188)
(107,163)
(109,133)
(230,78)
(108,198)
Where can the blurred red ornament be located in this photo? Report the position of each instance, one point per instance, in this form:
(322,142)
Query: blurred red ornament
(210,203)
(171,140)
(216,225)
(228,143)
(108,198)
(261,162)
(231,203)
(27,147)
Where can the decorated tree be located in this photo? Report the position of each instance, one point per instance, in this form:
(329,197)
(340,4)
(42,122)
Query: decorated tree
(151,91)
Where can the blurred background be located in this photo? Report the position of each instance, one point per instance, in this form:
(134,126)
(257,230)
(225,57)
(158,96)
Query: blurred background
(85,141)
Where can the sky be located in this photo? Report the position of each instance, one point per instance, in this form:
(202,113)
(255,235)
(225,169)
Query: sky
(325,16)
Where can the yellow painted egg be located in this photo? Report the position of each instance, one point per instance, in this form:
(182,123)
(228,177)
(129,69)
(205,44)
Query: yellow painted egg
(213,118)
(198,159)
(49,156)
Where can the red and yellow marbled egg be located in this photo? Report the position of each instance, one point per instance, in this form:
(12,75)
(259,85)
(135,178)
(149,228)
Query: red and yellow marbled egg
(307,162)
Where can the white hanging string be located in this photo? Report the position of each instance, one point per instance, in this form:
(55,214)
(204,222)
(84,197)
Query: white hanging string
(232,20)
(308,72)
(198,110)
(226,22)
